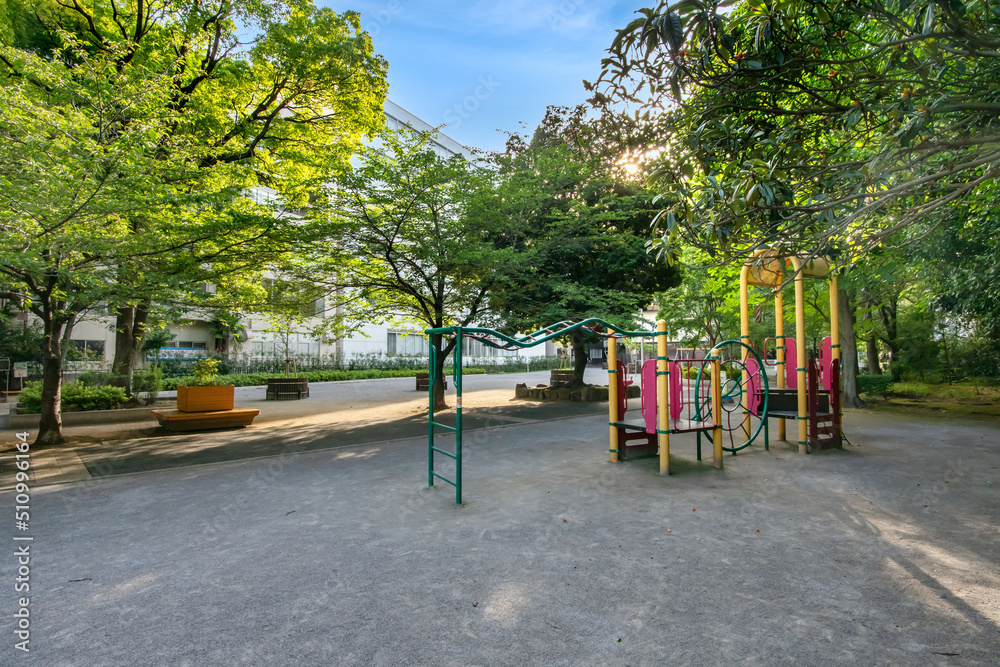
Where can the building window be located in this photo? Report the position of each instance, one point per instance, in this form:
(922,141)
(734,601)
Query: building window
(475,348)
(403,343)
(85,350)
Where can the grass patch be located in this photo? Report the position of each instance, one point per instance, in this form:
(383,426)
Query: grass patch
(959,400)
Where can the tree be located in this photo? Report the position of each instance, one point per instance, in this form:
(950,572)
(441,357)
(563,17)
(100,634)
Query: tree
(700,308)
(291,308)
(273,93)
(132,132)
(77,158)
(580,229)
(812,124)
(156,339)
(411,237)
(226,328)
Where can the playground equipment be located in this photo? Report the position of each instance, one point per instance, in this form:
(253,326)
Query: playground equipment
(678,404)
(816,411)
(691,388)
(492,339)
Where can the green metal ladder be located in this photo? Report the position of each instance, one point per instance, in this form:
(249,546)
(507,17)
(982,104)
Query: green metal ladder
(456,429)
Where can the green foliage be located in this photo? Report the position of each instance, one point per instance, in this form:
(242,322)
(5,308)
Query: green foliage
(75,397)
(909,389)
(414,235)
(808,123)
(156,340)
(150,382)
(126,153)
(260,379)
(580,228)
(20,341)
(227,327)
(204,373)
(499,365)
(874,384)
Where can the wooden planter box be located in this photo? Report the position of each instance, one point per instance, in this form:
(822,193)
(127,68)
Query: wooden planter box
(287,389)
(205,399)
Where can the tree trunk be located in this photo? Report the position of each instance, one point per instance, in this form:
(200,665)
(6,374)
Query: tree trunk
(848,353)
(890,321)
(130,330)
(580,359)
(439,363)
(50,424)
(871,345)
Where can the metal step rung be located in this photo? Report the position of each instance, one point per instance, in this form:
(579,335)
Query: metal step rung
(448,454)
(444,479)
(445,426)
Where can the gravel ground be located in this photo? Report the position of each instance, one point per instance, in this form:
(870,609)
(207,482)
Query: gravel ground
(883,553)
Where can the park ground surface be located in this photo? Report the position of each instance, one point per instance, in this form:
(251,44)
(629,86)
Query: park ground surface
(329,548)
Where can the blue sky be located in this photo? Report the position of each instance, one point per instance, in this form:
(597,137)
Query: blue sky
(481,66)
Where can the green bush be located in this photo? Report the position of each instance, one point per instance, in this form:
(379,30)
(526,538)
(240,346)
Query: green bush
(874,384)
(260,379)
(204,374)
(910,389)
(149,382)
(30,397)
(75,398)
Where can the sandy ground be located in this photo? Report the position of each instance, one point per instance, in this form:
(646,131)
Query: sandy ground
(323,544)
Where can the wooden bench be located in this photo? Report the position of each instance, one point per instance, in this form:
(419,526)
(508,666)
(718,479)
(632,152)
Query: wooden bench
(560,376)
(176,420)
(424,378)
(784,403)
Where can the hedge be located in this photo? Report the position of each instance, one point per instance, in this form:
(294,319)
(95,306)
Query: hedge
(260,379)
(874,384)
(75,398)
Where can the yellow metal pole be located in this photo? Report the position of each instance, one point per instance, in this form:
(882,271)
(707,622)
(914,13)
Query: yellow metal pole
(613,398)
(717,413)
(800,353)
(745,339)
(834,318)
(780,352)
(662,397)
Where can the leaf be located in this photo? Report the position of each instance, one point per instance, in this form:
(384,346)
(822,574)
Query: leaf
(929,18)
(754,64)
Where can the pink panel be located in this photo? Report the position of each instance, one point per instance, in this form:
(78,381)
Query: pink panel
(649,395)
(791,376)
(825,362)
(752,385)
(676,404)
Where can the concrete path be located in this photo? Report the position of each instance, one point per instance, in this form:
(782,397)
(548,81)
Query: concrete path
(884,553)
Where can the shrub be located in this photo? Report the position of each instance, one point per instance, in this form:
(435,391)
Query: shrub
(203,374)
(75,397)
(260,379)
(149,382)
(910,389)
(874,384)
(30,397)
